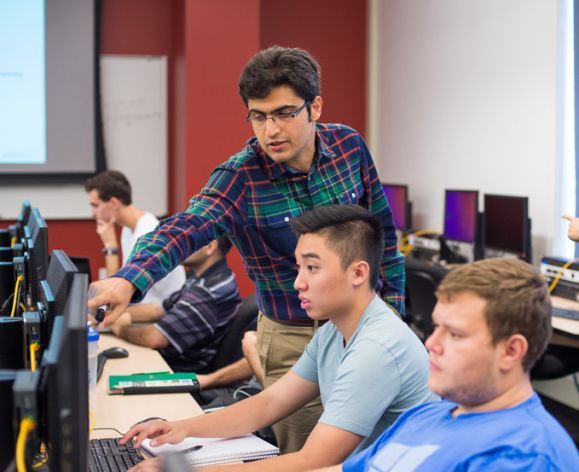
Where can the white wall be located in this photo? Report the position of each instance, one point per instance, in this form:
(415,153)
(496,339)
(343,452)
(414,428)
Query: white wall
(463,95)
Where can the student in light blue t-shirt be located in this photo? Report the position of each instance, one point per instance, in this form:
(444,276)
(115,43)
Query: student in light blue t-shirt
(365,363)
(492,323)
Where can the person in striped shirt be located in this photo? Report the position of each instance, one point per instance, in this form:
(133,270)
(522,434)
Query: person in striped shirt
(187,326)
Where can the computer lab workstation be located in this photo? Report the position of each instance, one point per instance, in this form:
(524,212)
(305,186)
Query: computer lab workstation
(47,411)
(500,227)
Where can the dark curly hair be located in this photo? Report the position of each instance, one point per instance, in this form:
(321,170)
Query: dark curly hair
(277,66)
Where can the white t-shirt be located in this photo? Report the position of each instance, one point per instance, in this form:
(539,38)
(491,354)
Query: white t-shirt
(164,287)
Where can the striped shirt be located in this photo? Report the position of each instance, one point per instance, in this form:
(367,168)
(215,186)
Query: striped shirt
(251,199)
(197,317)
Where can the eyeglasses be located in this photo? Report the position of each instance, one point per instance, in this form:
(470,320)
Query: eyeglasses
(258,118)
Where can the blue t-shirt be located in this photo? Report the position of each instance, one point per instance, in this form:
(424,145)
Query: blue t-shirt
(367,384)
(428,438)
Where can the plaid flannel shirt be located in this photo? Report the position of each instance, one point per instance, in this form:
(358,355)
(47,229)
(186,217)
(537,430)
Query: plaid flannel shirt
(251,199)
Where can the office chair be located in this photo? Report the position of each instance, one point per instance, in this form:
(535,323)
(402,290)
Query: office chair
(556,362)
(229,349)
(422,278)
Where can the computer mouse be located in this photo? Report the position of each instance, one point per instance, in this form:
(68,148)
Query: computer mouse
(115,353)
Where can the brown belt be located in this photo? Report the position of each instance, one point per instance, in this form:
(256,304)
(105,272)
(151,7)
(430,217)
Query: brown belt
(309,323)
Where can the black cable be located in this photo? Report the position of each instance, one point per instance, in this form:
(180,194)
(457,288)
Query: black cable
(114,429)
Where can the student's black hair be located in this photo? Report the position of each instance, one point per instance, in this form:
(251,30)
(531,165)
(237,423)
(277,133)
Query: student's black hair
(350,230)
(109,184)
(277,66)
(224,245)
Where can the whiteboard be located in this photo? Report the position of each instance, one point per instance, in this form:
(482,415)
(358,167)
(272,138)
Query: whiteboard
(134,110)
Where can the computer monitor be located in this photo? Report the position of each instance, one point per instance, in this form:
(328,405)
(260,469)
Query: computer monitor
(7,378)
(83,265)
(461,215)
(64,385)
(60,276)
(397,196)
(12,343)
(17,230)
(7,281)
(507,227)
(54,290)
(5,238)
(37,259)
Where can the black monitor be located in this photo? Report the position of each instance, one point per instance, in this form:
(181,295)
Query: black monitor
(54,290)
(7,378)
(507,227)
(83,265)
(461,215)
(64,385)
(397,196)
(37,259)
(12,343)
(7,281)
(5,238)
(17,230)
(60,275)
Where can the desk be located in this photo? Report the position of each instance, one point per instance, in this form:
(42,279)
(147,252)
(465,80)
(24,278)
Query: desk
(123,411)
(565,330)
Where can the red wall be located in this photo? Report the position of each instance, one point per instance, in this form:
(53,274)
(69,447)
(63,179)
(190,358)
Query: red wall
(334,32)
(207,42)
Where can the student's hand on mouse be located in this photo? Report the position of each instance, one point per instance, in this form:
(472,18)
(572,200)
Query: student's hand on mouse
(124,320)
(159,431)
(115,292)
(573,230)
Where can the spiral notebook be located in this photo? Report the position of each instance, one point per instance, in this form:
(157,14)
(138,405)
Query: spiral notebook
(208,451)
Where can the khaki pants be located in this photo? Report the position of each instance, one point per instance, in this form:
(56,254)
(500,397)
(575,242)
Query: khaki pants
(279,347)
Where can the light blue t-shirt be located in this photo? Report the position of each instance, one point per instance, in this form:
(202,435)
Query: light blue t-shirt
(428,438)
(365,385)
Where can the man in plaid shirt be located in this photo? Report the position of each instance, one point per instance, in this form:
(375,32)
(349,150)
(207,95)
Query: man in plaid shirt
(292,164)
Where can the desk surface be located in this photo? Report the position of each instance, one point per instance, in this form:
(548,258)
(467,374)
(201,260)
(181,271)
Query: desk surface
(123,411)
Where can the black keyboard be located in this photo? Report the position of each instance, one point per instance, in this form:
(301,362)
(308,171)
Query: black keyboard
(107,455)
(565,313)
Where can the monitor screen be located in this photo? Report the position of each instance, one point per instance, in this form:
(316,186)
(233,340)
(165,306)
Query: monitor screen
(64,384)
(37,262)
(506,225)
(397,196)
(460,215)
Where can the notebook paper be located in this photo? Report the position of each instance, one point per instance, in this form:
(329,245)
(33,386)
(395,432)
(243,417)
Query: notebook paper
(217,450)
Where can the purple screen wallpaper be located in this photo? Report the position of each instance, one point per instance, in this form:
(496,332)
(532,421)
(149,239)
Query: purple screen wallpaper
(460,213)
(396,196)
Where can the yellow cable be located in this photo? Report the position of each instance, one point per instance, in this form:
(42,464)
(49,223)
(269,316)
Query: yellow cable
(92,422)
(33,348)
(560,274)
(27,425)
(13,241)
(42,457)
(15,299)
(40,463)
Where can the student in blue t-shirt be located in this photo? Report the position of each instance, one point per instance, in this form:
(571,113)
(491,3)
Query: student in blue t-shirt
(367,366)
(492,322)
